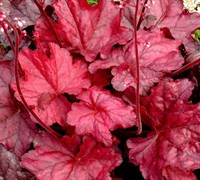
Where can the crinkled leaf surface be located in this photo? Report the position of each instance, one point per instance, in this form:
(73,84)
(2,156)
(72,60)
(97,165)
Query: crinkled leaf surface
(47,78)
(17,132)
(171,14)
(86,29)
(177,174)
(53,110)
(9,166)
(103,35)
(70,159)
(16,128)
(157,56)
(174,142)
(98,113)
(115,58)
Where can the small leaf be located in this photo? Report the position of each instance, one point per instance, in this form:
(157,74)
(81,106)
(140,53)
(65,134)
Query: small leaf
(93,2)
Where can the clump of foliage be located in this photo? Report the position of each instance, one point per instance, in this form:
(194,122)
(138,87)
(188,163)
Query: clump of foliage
(89,88)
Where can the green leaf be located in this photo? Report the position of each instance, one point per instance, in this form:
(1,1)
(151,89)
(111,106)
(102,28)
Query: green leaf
(196,35)
(93,2)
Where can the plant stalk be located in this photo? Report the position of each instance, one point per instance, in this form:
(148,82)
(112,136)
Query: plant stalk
(49,23)
(193,60)
(138,114)
(16,52)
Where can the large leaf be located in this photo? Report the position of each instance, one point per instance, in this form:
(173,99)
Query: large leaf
(98,113)
(172,14)
(48,78)
(157,57)
(70,159)
(86,29)
(173,145)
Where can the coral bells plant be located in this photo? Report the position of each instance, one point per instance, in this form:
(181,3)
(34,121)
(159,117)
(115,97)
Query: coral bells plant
(99,89)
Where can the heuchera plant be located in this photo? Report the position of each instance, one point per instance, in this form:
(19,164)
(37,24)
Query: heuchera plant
(90,89)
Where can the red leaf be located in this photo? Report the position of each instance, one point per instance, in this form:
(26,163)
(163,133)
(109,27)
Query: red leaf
(157,56)
(9,166)
(47,78)
(174,142)
(177,174)
(23,12)
(17,132)
(171,14)
(7,106)
(53,111)
(16,128)
(86,29)
(70,160)
(115,58)
(98,113)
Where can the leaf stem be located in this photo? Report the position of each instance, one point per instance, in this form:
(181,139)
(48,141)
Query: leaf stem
(49,23)
(9,40)
(141,15)
(16,52)
(138,114)
(193,59)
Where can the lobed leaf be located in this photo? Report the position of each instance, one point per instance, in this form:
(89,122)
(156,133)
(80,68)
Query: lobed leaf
(70,159)
(157,57)
(173,15)
(173,145)
(48,78)
(98,113)
(86,29)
